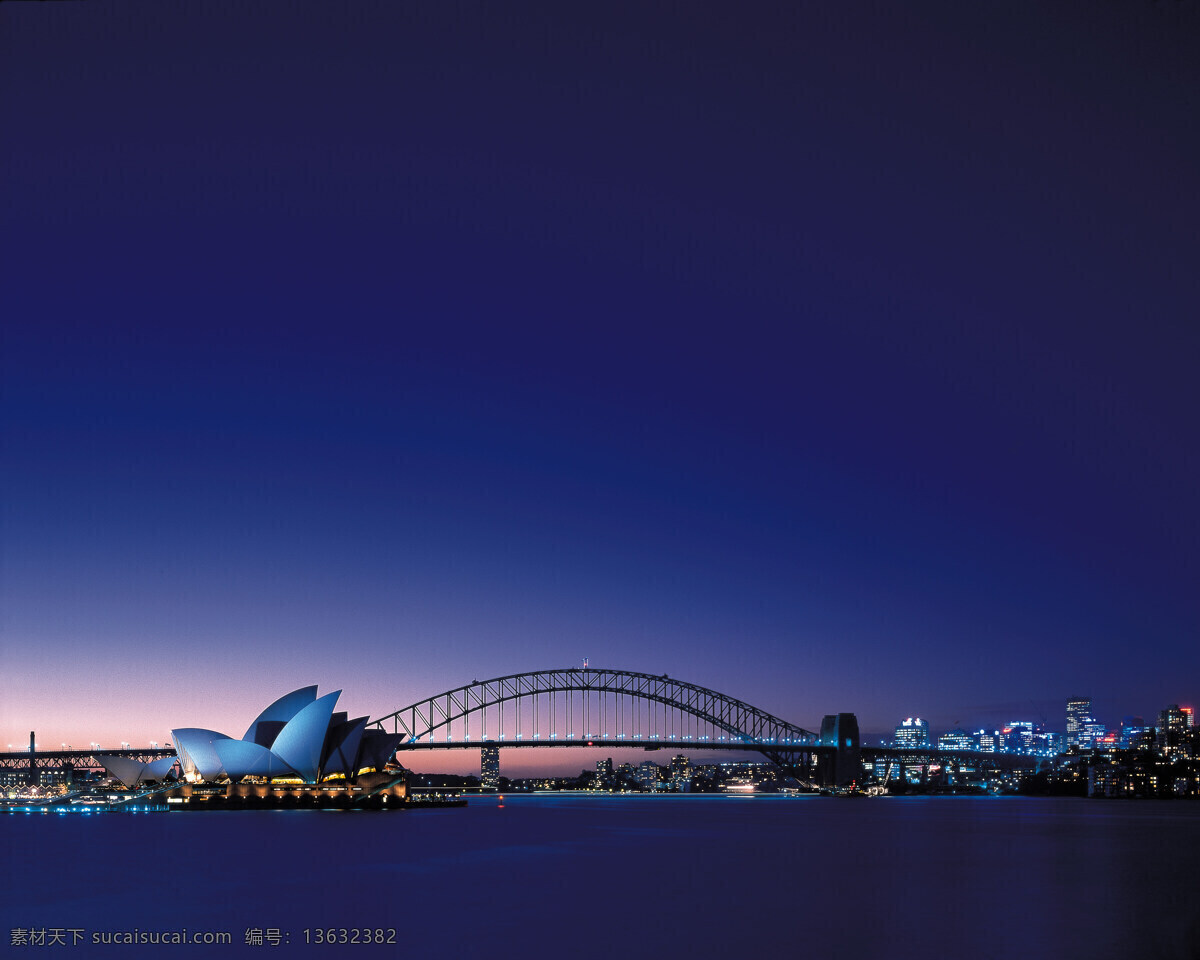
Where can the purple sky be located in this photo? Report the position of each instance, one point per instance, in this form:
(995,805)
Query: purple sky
(836,359)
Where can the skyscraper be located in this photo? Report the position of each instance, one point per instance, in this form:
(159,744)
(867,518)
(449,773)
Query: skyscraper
(489,768)
(1079,713)
(1173,725)
(681,773)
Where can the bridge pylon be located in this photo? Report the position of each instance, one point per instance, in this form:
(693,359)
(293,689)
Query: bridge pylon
(840,731)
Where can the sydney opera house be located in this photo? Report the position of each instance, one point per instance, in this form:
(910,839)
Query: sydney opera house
(298,751)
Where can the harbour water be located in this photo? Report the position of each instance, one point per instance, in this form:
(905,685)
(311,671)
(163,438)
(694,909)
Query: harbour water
(591,876)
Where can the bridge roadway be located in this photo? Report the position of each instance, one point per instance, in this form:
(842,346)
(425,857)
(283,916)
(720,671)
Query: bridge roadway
(909,756)
(606,742)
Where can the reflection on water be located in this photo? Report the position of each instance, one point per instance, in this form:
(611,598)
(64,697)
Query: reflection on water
(694,876)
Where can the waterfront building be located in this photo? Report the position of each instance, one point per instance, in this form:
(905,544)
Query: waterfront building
(13,779)
(681,773)
(1145,776)
(489,768)
(1079,712)
(604,774)
(54,779)
(298,751)
(913,732)
(297,738)
(648,774)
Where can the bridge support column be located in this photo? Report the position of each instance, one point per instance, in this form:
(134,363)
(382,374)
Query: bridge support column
(840,731)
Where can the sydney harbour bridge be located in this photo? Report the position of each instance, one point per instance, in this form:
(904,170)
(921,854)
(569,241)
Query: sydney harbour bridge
(602,708)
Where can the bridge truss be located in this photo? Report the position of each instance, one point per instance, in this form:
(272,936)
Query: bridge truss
(595,707)
(31,763)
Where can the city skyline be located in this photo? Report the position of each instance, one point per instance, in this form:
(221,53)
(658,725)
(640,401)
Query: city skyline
(839,362)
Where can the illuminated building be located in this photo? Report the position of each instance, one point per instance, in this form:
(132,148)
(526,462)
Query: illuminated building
(297,738)
(988,742)
(1079,712)
(489,768)
(954,740)
(297,751)
(1132,729)
(649,774)
(1094,735)
(1141,779)
(53,778)
(1020,736)
(681,773)
(1049,744)
(913,732)
(13,779)
(1173,726)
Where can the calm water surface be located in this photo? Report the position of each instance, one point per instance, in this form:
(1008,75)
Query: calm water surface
(692,876)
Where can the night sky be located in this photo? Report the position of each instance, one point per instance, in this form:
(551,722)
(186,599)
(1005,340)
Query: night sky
(837,357)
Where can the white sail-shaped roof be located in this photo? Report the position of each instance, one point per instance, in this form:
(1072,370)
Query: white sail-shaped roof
(158,769)
(282,710)
(197,755)
(343,751)
(299,744)
(296,736)
(242,758)
(378,748)
(126,769)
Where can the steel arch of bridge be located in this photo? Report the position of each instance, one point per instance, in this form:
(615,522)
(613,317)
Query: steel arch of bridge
(428,723)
